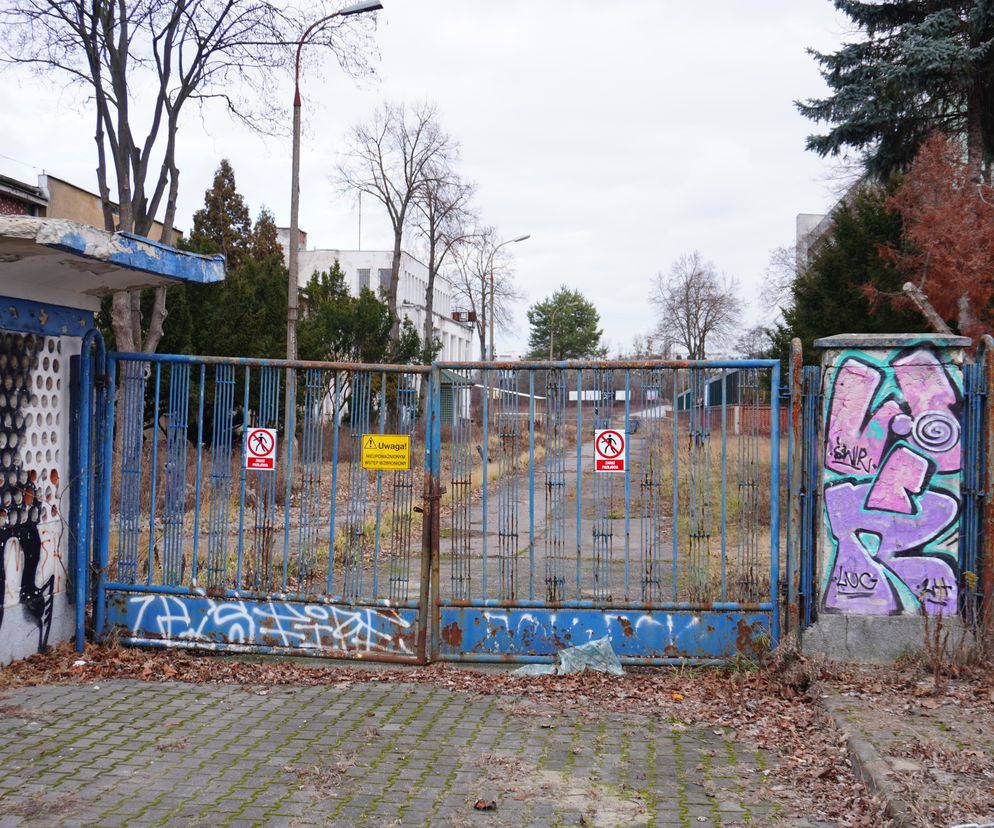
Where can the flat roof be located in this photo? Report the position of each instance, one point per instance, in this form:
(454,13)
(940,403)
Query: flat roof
(73,264)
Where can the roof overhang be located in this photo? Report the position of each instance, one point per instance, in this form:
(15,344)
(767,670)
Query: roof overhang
(73,264)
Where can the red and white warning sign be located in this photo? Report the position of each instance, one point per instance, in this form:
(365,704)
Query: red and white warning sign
(610,450)
(260,449)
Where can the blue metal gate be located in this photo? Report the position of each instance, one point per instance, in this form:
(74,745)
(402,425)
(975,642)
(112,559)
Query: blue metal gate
(318,556)
(507,545)
(676,557)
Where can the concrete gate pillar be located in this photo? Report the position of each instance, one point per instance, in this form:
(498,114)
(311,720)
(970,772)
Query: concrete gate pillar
(890,461)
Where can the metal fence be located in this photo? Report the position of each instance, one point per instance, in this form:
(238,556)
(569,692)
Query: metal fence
(676,555)
(316,555)
(497,539)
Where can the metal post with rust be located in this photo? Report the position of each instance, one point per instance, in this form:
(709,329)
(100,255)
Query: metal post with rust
(795,452)
(429,594)
(986,551)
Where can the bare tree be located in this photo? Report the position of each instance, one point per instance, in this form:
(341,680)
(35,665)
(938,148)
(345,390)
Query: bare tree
(649,345)
(696,304)
(754,342)
(476,262)
(392,158)
(776,293)
(444,220)
(166,53)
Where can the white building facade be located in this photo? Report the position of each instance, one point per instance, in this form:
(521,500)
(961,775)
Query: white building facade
(371,268)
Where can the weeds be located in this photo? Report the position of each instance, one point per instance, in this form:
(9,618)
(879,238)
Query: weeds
(950,648)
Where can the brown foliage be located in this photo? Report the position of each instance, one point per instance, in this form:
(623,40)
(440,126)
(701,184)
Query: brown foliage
(949,234)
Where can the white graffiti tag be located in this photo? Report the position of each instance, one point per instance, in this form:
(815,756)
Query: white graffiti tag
(270,623)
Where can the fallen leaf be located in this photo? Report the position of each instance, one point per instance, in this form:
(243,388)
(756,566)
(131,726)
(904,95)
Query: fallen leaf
(677,697)
(485,805)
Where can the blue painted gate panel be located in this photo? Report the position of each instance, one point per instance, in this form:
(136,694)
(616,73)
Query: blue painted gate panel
(263,625)
(637,636)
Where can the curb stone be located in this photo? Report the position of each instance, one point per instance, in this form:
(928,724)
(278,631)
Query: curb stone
(868,764)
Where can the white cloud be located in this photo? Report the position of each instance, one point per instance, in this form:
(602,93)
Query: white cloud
(619,135)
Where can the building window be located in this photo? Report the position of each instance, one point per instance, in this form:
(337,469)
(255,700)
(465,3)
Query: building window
(362,280)
(385,279)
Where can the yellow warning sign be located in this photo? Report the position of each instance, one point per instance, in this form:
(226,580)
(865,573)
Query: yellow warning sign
(386,452)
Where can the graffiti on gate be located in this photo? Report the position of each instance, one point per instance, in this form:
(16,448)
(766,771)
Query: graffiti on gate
(269,623)
(633,634)
(892,463)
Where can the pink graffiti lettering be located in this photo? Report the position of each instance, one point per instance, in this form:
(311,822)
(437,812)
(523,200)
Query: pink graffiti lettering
(904,474)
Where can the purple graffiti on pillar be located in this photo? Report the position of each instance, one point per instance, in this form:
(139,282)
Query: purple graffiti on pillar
(885,511)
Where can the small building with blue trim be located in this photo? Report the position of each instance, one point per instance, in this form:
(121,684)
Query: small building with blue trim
(53,275)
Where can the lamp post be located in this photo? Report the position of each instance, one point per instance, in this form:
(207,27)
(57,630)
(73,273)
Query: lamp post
(552,329)
(493,353)
(292,285)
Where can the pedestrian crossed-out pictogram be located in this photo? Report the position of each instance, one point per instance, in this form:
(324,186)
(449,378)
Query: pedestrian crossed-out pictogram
(260,449)
(609,450)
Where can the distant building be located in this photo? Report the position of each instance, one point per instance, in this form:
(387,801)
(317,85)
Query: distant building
(371,269)
(54,197)
(812,230)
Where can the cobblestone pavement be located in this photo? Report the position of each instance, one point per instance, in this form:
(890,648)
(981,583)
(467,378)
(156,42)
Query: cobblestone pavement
(135,753)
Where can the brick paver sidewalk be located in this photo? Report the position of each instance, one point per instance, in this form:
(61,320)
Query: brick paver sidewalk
(377,754)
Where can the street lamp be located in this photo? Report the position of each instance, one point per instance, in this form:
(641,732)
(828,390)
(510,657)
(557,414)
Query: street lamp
(493,253)
(292,284)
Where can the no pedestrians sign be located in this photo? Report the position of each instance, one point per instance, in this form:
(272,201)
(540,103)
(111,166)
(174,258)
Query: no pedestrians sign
(610,450)
(260,449)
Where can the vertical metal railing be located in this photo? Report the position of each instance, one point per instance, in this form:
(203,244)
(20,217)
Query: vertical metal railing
(977,579)
(809,491)
(193,520)
(87,464)
(692,521)
(795,459)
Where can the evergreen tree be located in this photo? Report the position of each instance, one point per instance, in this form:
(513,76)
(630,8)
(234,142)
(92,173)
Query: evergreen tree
(924,65)
(223,225)
(830,295)
(338,327)
(564,326)
(264,240)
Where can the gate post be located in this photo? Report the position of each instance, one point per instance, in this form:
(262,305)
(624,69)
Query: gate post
(429,582)
(986,445)
(794,459)
(891,461)
(90,375)
(102,507)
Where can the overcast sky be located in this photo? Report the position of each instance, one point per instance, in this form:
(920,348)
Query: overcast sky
(620,135)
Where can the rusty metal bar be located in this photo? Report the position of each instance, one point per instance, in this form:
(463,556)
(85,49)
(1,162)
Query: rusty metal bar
(248,362)
(794,490)
(430,568)
(610,365)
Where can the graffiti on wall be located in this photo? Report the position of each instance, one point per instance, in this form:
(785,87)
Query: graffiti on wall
(196,620)
(892,483)
(29,389)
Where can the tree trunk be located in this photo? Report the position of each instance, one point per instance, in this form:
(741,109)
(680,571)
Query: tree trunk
(974,140)
(108,213)
(430,297)
(966,320)
(156,322)
(394,284)
(916,295)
